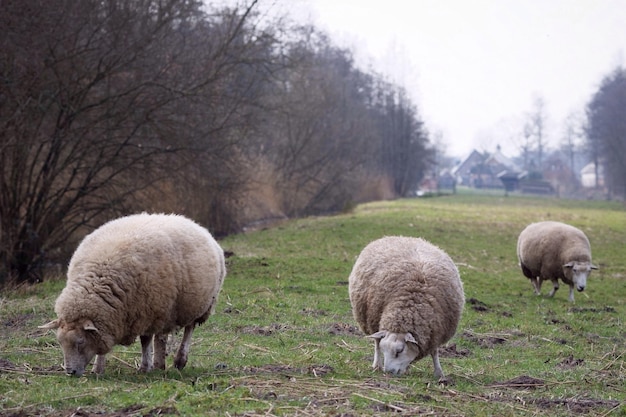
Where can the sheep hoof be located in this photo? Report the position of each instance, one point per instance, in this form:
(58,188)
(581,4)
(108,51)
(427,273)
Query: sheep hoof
(179,363)
(445,381)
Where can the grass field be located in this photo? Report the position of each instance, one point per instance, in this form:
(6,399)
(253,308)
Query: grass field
(283,340)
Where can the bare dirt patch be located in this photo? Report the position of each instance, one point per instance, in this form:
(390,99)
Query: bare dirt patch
(521,382)
(484,341)
(6,365)
(265,330)
(343,329)
(478,305)
(451,351)
(570,362)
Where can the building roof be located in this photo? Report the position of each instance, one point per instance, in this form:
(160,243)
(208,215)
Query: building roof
(496,160)
(590,168)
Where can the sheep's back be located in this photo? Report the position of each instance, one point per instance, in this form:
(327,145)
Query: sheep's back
(403,284)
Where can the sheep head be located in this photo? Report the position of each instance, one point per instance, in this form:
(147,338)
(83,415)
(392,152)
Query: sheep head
(78,341)
(398,349)
(577,273)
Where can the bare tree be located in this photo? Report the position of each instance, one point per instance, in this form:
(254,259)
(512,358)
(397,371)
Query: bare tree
(404,145)
(101,100)
(330,128)
(573,133)
(526,147)
(110,106)
(535,131)
(319,132)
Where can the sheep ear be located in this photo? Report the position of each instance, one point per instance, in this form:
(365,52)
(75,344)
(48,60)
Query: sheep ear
(89,326)
(409,338)
(378,335)
(568,265)
(593,266)
(54,324)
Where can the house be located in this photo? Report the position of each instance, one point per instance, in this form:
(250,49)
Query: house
(483,170)
(588,176)
(463,171)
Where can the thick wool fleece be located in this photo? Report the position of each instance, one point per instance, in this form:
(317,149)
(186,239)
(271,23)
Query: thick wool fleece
(543,248)
(404,284)
(142,274)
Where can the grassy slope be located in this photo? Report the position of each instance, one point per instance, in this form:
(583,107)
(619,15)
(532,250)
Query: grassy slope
(283,341)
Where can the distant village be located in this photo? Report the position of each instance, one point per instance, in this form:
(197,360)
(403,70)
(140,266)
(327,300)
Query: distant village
(560,175)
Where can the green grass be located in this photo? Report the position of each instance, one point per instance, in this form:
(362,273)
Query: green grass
(283,340)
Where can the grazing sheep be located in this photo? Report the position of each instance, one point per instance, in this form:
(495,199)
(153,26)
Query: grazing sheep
(553,250)
(406,294)
(143,275)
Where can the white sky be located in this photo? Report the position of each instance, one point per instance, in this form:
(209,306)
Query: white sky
(474,67)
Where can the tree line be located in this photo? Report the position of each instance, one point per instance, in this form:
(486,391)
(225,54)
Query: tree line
(109,107)
(606,131)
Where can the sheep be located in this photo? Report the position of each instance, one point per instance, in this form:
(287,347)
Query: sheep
(142,275)
(407,295)
(551,250)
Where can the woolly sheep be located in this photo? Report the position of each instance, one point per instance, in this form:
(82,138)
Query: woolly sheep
(143,275)
(552,250)
(407,295)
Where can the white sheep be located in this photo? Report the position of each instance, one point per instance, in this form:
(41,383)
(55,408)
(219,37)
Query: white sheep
(143,275)
(407,295)
(552,250)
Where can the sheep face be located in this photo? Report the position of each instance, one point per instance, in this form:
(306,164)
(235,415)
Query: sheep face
(398,349)
(577,273)
(78,343)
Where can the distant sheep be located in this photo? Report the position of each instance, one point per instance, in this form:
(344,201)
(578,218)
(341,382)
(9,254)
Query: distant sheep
(143,275)
(553,250)
(407,295)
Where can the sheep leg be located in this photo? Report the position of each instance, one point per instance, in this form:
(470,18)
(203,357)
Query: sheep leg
(160,351)
(438,370)
(536,284)
(98,365)
(555,284)
(378,358)
(180,360)
(146,353)
(571,293)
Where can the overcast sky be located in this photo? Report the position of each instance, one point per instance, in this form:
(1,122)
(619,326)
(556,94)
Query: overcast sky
(474,67)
